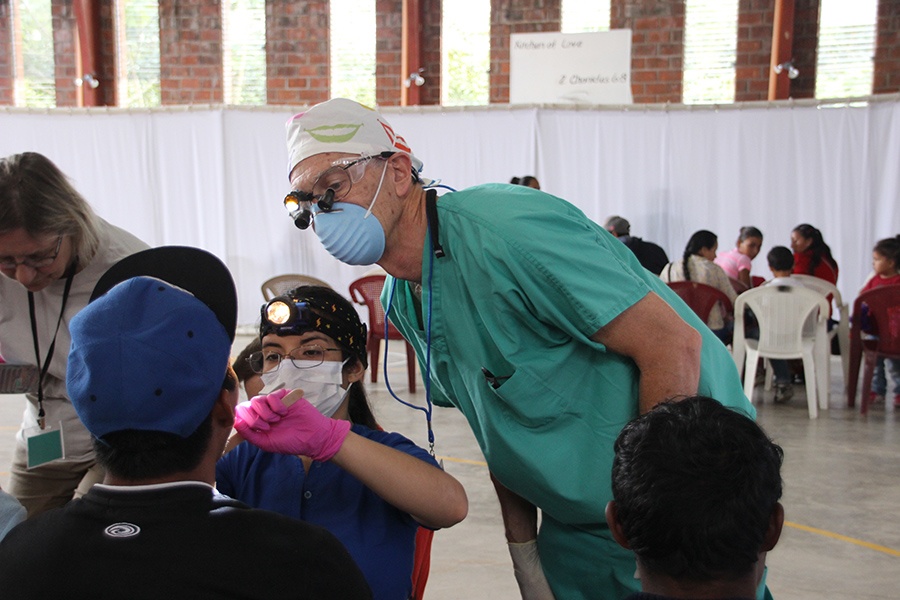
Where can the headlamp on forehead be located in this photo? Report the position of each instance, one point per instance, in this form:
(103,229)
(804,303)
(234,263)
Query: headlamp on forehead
(283,316)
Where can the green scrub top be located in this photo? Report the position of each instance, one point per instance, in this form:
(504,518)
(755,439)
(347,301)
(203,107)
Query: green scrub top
(526,280)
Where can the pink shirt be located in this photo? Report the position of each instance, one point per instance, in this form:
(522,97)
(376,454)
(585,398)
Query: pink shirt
(733,262)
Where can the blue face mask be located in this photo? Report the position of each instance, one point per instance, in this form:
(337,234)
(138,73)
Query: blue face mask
(351,234)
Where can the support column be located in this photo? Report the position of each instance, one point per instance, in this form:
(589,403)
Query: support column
(87,41)
(411,53)
(782,49)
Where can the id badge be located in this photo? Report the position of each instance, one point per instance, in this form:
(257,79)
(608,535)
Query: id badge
(44,445)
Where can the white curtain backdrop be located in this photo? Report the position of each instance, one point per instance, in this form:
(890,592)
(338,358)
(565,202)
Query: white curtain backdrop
(214,177)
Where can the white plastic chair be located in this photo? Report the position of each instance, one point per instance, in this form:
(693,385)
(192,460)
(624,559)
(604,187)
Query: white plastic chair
(275,286)
(842,331)
(781,312)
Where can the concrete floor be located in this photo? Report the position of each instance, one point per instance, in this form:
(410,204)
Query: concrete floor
(842,497)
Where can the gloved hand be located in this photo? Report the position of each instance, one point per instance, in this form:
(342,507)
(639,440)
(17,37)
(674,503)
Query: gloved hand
(286,423)
(529,574)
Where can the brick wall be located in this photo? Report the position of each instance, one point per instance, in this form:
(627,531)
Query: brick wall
(516,16)
(297,51)
(297,48)
(388,51)
(7,66)
(65,45)
(887,48)
(108,58)
(806,39)
(190,51)
(754,49)
(657,46)
(430,92)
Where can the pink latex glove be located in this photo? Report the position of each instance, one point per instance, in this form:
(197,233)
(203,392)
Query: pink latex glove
(286,423)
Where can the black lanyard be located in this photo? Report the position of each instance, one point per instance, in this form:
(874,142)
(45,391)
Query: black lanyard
(433,226)
(70,275)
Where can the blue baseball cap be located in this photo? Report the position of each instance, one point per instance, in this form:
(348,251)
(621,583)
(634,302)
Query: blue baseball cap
(149,353)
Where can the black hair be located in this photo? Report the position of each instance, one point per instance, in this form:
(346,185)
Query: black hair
(242,363)
(890,249)
(138,455)
(820,250)
(749,232)
(700,240)
(695,484)
(358,406)
(526,180)
(780,258)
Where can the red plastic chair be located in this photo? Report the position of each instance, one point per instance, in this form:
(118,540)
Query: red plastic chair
(876,314)
(367,290)
(421,562)
(421,559)
(757,281)
(701,297)
(739,286)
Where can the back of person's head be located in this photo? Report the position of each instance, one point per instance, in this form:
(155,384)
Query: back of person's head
(527,180)
(39,198)
(617,226)
(889,248)
(698,241)
(149,359)
(695,486)
(780,258)
(318,308)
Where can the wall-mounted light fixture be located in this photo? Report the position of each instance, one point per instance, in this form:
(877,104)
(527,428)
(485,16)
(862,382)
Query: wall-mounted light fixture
(792,71)
(415,78)
(89,80)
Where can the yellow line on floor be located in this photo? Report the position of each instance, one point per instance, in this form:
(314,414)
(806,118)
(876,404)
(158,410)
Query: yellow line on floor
(823,532)
(844,538)
(465,461)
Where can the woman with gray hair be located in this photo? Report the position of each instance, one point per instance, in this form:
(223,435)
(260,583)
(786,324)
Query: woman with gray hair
(53,249)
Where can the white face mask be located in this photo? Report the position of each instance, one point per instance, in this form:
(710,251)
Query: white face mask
(321,384)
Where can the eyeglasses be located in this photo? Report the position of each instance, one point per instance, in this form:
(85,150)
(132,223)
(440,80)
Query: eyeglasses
(304,357)
(332,185)
(33,261)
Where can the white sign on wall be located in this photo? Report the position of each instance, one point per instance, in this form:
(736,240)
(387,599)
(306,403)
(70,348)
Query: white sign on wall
(570,68)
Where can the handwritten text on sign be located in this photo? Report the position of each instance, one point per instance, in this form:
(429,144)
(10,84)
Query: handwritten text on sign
(570,68)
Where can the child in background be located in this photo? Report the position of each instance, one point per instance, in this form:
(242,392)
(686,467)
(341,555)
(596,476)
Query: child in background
(251,383)
(885,263)
(736,262)
(781,263)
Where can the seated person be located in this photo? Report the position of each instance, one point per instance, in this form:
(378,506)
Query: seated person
(695,495)
(11,513)
(736,262)
(651,256)
(812,256)
(324,459)
(528,181)
(781,263)
(251,382)
(697,265)
(149,377)
(885,272)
